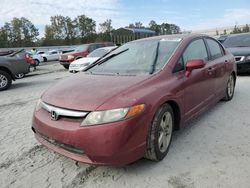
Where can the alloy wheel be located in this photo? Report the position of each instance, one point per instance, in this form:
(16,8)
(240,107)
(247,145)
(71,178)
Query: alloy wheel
(3,81)
(230,86)
(165,131)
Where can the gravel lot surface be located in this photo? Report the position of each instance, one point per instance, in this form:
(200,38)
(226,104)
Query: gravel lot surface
(213,151)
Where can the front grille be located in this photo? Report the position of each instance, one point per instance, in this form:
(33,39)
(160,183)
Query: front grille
(57,112)
(74,66)
(66,147)
(64,57)
(239,58)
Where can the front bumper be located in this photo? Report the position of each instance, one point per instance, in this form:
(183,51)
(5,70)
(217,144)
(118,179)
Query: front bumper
(115,144)
(76,69)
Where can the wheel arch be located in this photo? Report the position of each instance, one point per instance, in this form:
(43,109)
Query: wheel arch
(235,75)
(8,71)
(78,57)
(177,113)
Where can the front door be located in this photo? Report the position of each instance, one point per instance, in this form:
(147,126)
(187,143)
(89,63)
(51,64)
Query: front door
(200,85)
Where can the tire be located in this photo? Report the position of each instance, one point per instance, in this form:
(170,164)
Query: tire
(19,76)
(37,62)
(66,66)
(160,134)
(5,80)
(45,59)
(230,88)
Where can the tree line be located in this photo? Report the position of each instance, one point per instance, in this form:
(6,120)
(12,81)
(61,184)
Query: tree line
(236,30)
(63,30)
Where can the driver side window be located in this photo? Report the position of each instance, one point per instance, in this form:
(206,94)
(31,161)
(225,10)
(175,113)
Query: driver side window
(195,50)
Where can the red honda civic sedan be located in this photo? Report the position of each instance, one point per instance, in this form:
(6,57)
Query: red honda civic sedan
(128,103)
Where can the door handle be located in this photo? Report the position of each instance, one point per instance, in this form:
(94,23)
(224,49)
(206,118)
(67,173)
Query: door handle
(211,69)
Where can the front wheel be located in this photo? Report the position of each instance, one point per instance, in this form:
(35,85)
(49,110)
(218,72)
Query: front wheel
(230,88)
(45,59)
(160,134)
(5,80)
(66,66)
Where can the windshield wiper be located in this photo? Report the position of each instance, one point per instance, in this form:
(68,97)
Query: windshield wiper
(111,56)
(101,60)
(156,58)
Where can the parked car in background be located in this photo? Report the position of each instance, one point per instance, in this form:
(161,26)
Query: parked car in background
(40,52)
(36,57)
(239,46)
(127,104)
(82,63)
(10,65)
(31,63)
(222,38)
(80,52)
(52,55)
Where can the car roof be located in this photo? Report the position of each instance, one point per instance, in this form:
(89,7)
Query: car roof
(175,36)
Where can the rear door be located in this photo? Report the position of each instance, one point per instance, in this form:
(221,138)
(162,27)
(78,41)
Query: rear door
(218,59)
(54,55)
(200,85)
(18,63)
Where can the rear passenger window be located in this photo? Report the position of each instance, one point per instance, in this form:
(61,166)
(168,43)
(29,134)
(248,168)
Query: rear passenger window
(195,50)
(215,49)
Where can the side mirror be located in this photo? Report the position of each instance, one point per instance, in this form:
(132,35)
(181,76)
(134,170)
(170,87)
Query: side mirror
(194,64)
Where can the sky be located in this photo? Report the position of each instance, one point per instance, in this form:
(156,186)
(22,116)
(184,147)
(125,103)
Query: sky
(188,14)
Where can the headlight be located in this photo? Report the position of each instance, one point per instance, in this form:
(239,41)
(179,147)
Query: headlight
(38,105)
(108,116)
(71,57)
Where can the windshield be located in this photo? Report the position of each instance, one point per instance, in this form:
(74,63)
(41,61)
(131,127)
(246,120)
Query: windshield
(81,48)
(98,53)
(139,57)
(237,41)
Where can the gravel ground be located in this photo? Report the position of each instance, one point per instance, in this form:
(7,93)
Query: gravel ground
(213,151)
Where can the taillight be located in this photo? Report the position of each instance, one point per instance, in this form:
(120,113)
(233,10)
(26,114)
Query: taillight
(29,59)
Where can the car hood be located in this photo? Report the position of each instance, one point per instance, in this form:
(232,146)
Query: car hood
(87,92)
(240,51)
(84,60)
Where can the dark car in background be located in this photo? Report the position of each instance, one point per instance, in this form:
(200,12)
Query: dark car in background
(239,46)
(12,63)
(81,51)
(127,104)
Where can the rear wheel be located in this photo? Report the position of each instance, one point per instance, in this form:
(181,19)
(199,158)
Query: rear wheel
(5,80)
(19,76)
(66,66)
(160,134)
(230,88)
